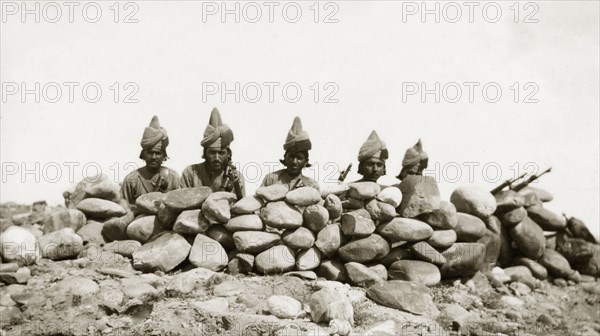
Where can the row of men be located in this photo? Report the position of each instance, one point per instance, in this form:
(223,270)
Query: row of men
(218,172)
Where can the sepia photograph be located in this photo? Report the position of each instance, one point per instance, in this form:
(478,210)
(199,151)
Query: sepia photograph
(302,167)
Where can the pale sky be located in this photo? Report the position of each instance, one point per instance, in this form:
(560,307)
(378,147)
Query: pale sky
(180,50)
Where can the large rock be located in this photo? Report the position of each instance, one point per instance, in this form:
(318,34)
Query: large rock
(546,219)
(420,194)
(579,230)
(64,218)
(408,296)
(557,265)
(284,307)
(281,215)
(365,249)
(147,203)
(507,200)
(299,239)
(426,252)
(208,253)
(125,248)
(396,253)
(166,216)
(442,218)
(101,209)
(307,260)
(379,211)
(272,193)
(332,270)
(333,204)
(116,228)
(246,205)
(276,260)
(469,228)
(493,224)
(530,198)
(328,304)
(186,198)
(329,239)
(315,216)
(541,194)
(254,241)
(442,239)
(61,244)
(364,190)
(391,196)
(514,216)
(536,269)
(216,207)
(245,223)
(529,238)
(583,255)
(521,274)
(143,228)
(405,229)
(191,222)
(222,235)
(463,260)
(415,270)
(163,253)
(240,263)
(99,186)
(492,244)
(474,201)
(303,196)
(353,224)
(362,276)
(91,232)
(19,245)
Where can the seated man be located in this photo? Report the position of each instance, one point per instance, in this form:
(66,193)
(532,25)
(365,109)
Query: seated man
(217,172)
(414,162)
(296,146)
(371,158)
(153,176)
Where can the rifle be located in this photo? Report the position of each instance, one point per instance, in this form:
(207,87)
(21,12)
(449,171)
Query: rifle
(230,177)
(506,183)
(344,173)
(530,179)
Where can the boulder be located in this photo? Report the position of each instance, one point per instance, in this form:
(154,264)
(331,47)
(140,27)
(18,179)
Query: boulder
(329,239)
(241,263)
(64,218)
(415,270)
(514,216)
(61,244)
(420,194)
(426,252)
(492,244)
(583,255)
(493,224)
(281,215)
(556,264)
(143,228)
(272,193)
(379,211)
(99,186)
(363,190)
(469,228)
(208,253)
(19,245)
(463,260)
(365,249)
(216,210)
(147,203)
(315,216)
(442,239)
(284,307)
(116,228)
(362,276)
(529,238)
(299,239)
(521,274)
(186,282)
(328,304)
(541,194)
(222,235)
(245,223)
(166,216)
(391,196)
(546,219)
(254,241)
(246,205)
(333,204)
(186,198)
(353,224)
(579,230)
(275,260)
(537,270)
(303,196)
(191,222)
(21,276)
(332,270)
(474,201)
(396,253)
(353,204)
(405,229)
(530,198)
(100,208)
(163,253)
(507,200)
(91,232)
(408,296)
(442,218)
(307,260)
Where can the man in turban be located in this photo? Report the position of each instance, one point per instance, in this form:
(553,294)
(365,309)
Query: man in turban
(296,147)
(371,158)
(217,171)
(153,176)
(414,162)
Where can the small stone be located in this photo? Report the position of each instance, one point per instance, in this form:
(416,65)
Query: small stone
(427,253)
(521,274)
(303,196)
(307,260)
(21,276)
(363,190)
(333,205)
(9,314)
(415,270)
(560,282)
(442,218)
(391,196)
(254,241)
(246,205)
(469,228)
(19,245)
(512,301)
(164,253)
(361,275)
(111,300)
(420,194)
(474,201)
(216,305)
(284,307)
(405,229)
(408,296)
(281,215)
(186,198)
(272,193)
(326,305)
(276,260)
(329,240)
(143,228)
(61,244)
(366,249)
(356,225)
(306,275)
(99,208)
(115,272)
(125,248)
(442,239)
(340,327)
(77,286)
(191,222)
(387,328)
(228,288)
(135,288)
(546,319)
(299,239)
(146,203)
(208,253)
(186,282)
(245,223)
(9,267)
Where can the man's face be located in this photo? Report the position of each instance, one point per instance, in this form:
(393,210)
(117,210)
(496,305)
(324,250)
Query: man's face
(373,169)
(154,157)
(216,158)
(294,162)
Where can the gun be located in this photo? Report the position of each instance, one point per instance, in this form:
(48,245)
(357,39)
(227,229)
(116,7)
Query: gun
(506,183)
(344,173)
(530,179)
(230,178)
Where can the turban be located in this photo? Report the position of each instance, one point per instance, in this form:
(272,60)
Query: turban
(415,155)
(153,135)
(216,134)
(373,147)
(297,140)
